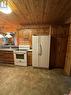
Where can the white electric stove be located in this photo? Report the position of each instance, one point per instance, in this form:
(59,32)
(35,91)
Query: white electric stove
(20,55)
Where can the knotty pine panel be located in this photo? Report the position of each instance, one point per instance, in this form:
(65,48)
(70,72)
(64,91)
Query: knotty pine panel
(58,46)
(59,35)
(24,36)
(26,12)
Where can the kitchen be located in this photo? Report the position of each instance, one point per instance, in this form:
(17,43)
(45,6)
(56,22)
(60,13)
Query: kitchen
(35,45)
(23,48)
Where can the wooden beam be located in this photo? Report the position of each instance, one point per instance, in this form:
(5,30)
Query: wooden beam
(67,68)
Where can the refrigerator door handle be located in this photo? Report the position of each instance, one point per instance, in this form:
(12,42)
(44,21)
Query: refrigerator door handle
(40,50)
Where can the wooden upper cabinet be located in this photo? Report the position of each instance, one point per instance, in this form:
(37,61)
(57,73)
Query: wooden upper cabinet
(24,37)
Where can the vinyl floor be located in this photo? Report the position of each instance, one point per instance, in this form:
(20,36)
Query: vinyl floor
(15,80)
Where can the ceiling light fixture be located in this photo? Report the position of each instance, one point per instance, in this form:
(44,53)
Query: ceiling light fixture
(6,10)
(4,7)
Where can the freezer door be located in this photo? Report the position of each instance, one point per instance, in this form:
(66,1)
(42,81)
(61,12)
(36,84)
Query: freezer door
(35,51)
(44,54)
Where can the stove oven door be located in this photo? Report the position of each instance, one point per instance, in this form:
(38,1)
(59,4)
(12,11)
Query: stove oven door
(20,58)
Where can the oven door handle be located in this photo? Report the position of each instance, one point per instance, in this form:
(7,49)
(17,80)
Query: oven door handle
(19,53)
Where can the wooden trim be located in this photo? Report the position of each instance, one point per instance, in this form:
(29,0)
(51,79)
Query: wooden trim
(34,27)
(67,68)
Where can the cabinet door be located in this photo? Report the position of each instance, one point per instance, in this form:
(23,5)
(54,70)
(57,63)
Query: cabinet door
(6,57)
(24,37)
(29,58)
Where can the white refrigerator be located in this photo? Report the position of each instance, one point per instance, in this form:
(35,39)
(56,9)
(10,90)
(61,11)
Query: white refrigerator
(41,51)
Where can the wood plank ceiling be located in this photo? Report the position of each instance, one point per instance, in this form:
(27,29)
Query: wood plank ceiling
(36,12)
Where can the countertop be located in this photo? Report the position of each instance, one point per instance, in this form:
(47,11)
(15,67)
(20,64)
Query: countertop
(6,49)
(11,49)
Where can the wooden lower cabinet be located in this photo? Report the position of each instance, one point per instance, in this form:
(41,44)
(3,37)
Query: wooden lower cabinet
(29,58)
(6,57)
